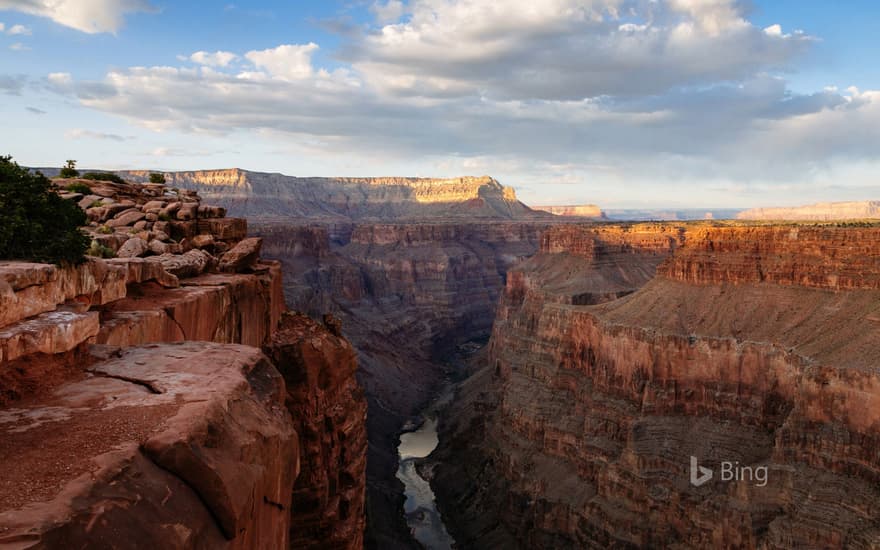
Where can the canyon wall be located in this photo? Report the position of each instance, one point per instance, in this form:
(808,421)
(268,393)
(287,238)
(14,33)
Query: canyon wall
(407,295)
(750,345)
(137,405)
(263,195)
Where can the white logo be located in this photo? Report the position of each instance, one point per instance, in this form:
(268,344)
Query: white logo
(699,474)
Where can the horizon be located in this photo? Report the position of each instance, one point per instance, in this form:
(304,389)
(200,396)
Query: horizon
(623,104)
(656,208)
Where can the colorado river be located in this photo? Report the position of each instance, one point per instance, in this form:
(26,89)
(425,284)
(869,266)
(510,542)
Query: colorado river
(422,515)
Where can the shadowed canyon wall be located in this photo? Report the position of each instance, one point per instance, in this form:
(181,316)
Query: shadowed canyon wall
(751,345)
(406,294)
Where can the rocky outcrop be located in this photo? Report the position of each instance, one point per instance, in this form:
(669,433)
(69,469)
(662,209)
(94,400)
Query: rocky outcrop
(745,349)
(175,446)
(821,211)
(258,195)
(135,220)
(112,434)
(329,411)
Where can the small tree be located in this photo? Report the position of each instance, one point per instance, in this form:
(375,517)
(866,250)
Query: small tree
(69,170)
(156,177)
(36,224)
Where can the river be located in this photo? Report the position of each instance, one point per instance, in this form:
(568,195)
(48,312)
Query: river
(421,511)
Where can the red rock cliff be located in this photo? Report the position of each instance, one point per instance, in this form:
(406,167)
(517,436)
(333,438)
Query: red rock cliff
(329,412)
(136,404)
(753,345)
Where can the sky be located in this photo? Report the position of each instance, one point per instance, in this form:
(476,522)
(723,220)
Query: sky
(621,103)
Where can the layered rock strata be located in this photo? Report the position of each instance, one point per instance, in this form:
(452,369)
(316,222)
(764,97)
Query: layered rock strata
(407,294)
(751,346)
(136,404)
(171,446)
(329,412)
(258,195)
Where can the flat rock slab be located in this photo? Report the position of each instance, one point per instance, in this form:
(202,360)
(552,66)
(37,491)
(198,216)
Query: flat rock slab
(28,289)
(174,446)
(50,333)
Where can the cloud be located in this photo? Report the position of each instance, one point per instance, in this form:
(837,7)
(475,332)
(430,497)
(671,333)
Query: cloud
(565,49)
(680,93)
(389,11)
(176,152)
(35,111)
(288,61)
(18,47)
(78,133)
(12,84)
(89,16)
(215,59)
(2,26)
(19,29)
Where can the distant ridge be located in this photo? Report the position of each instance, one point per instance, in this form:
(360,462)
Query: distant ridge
(575,210)
(270,195)
(820,211)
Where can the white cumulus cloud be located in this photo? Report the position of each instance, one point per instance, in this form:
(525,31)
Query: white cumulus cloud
(288,61)
(213,59)
(89,16)
(19,29)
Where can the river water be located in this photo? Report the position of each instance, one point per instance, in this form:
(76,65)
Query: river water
(422,515)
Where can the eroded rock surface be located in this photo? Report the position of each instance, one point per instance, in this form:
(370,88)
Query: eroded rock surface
(113,437)
(329,411)
(176,446)
(257,195)
(751,345)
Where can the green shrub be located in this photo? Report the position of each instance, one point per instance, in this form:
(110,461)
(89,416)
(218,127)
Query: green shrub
(79,187)
(155,177)
(36,224)
(97,204)
(105,230)
(163,217)
(102,176)
(100,251)
(69,170)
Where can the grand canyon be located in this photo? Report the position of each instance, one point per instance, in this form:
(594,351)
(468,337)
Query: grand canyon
(439,274)
(220,389)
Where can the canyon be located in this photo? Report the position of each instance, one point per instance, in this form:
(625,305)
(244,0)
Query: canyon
(620,352)
(587,361)
(412,268)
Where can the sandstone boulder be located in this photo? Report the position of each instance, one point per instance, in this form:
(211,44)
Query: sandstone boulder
(203,241)
(242,256)
(126,217)
(188,264)
(133,248)
(188,211)
(206,211)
